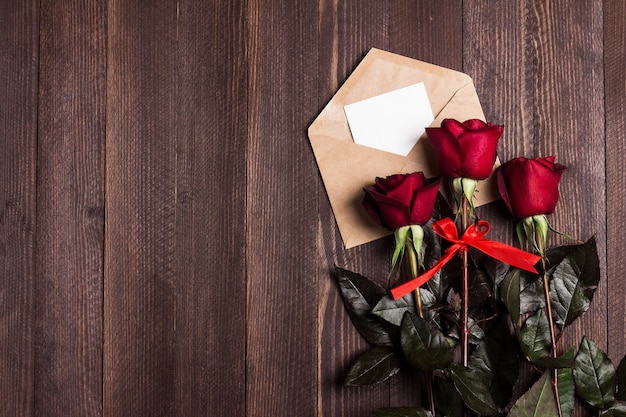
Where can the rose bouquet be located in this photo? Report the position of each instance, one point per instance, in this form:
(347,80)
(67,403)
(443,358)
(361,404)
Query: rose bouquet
(473,311)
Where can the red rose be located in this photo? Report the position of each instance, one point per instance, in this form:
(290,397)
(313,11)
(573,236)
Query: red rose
(465,150)
(401,200)
(530,187)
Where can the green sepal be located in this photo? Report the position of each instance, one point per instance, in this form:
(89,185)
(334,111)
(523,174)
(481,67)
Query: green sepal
(541,231)
(401,234)
(529,230)
(521,235)
(417,237)
(469,187)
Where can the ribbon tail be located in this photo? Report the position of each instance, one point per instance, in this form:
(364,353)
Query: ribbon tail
(409,286)
(508,254)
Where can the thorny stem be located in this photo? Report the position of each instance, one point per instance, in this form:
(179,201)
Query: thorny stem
(420,311)
(546,292)
(414,273)
(465,330)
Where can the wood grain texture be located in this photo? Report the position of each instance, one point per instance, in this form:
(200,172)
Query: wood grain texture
(19,57)
(532,67)
(141,289)
(347,31)
(282,220)
(429,31)
(70,210)
(570,125)
(210,239)
(166,243)
(498,57)
(615,102)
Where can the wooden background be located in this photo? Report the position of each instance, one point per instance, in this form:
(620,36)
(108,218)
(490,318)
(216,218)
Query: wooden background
(165,238)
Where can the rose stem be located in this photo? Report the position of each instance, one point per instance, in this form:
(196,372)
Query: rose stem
(414,273)
(418,305)
(546,292)
(465,289)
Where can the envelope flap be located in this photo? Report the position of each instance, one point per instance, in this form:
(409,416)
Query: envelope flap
(346,168)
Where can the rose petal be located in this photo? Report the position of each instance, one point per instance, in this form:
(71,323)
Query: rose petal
(475,124)
(447,151)
(454,126)
(424,202)
(479,152)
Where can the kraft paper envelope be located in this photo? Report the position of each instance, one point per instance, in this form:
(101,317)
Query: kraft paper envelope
(347,168)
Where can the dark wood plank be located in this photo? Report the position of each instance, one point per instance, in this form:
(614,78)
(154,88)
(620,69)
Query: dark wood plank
(569,123)
(141,289)
(538,68)
(346,33)
(210,316)
(615,102)
(500,60)
(282,220)
(70,209)
(430,31)
(19,55)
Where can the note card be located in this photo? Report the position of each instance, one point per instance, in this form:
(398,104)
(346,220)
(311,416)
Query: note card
(391,122)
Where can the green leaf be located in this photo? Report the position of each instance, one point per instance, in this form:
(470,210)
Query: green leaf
(496,271)
(574,282)
(374,366)
(474,389)
(616,410)
(400,235)
(567,390)
(476,333)
(424,346)
(392,310)
(534,336)
(487,384)
(509,294)
(621,380)
(450,273)
(538,401)
(532,297)
(360,295)
(594,375)
(448,401)
(402,412)
(479,288)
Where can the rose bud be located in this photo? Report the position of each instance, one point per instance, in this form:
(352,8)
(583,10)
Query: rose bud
(403,203)
(401,200)
(530,187)
(465,150)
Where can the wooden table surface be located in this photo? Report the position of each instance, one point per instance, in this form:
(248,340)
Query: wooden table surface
(166,241)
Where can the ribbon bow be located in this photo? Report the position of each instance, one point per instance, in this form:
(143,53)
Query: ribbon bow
(473,237)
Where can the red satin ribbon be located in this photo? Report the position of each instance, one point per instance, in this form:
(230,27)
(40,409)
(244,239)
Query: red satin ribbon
(473,237)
